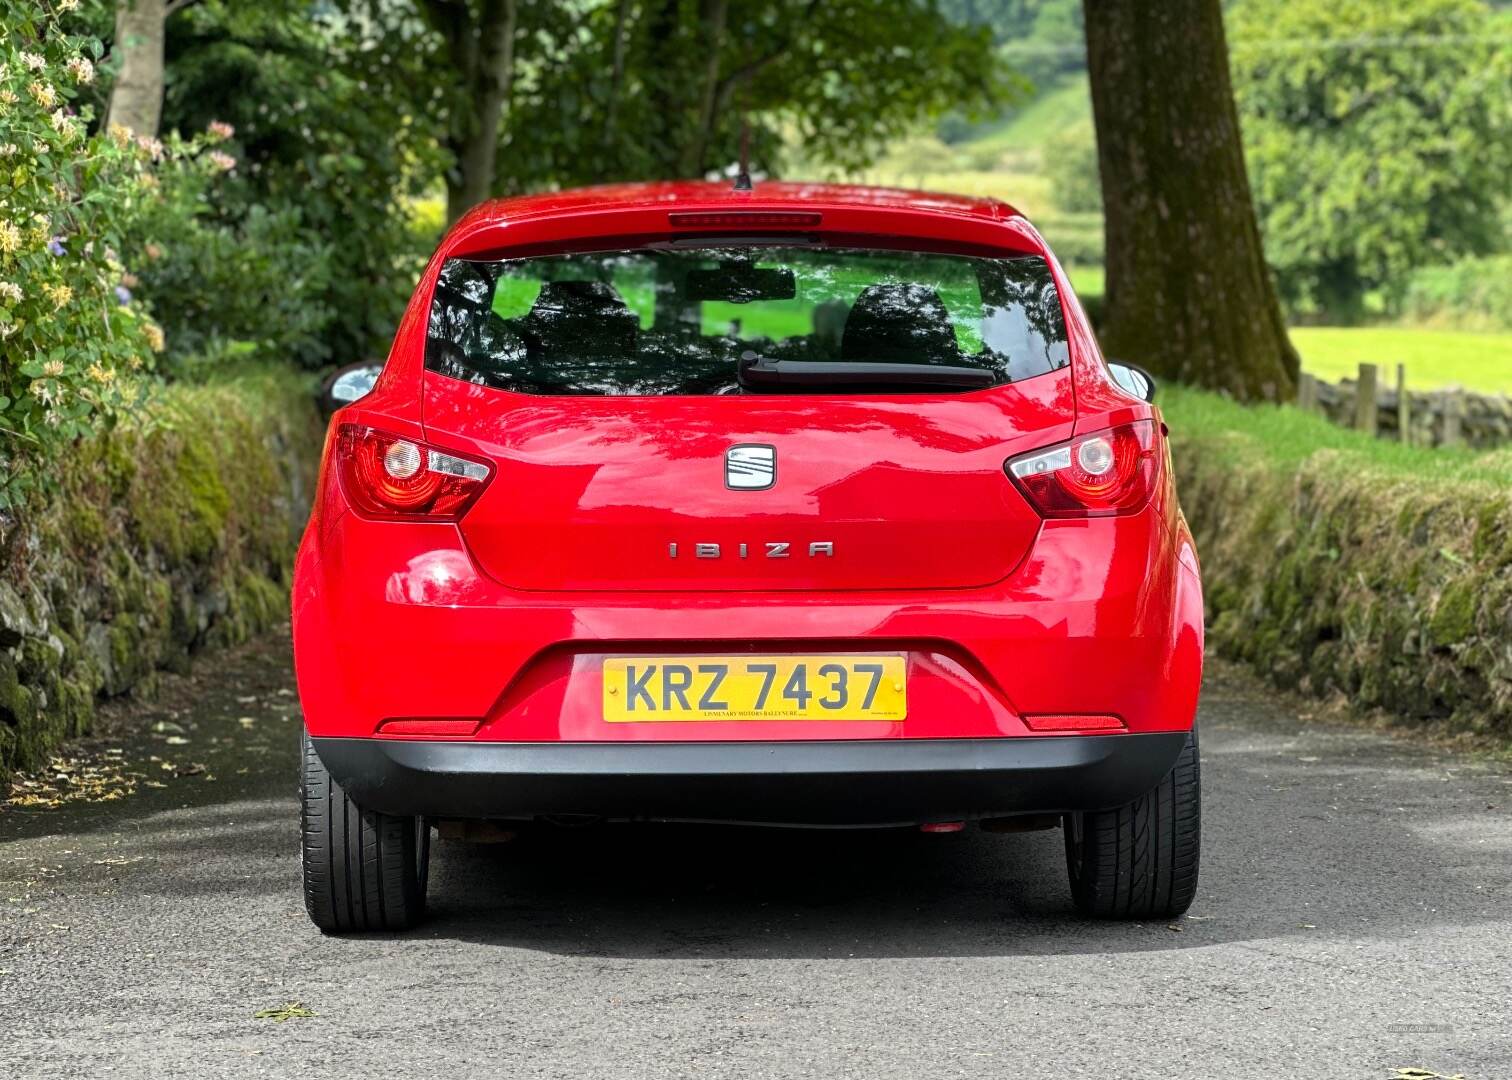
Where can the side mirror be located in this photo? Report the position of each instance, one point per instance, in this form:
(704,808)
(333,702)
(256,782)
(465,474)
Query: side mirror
(1133,378)
(348,384)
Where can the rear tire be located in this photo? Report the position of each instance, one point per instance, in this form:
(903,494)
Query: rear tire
(362,870)
(1139,861)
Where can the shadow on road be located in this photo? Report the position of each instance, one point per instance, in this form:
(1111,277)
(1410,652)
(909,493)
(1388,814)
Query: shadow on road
(1308,833)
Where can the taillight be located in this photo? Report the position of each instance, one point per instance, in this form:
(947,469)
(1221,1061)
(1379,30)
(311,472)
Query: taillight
(387,476)
(1097,475)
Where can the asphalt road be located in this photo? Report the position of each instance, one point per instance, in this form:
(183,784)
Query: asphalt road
(1354,919)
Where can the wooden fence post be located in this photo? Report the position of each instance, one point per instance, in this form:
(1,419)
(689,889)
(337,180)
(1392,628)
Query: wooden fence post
(1454,411)
(1404,407)
(1307,392)
(1367,408)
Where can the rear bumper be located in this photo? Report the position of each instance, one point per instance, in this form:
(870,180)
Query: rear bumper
(839,783)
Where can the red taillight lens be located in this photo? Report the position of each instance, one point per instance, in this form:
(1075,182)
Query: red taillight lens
(387,476)
(1097,475)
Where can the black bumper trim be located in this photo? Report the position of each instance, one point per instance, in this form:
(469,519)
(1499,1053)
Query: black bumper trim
(841,783)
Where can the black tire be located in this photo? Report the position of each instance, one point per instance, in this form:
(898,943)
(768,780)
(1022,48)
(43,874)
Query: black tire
(362,870)
(1139,861)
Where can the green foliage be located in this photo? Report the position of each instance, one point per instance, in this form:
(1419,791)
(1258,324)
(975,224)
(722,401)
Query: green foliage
(835,80)
(72,339)
(1070,161)
(1471,294)
(1378,138)
(334,135)
(231,280)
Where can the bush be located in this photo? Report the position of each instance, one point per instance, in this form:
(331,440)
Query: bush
(74,342)
(225,277)
(1472,294)
(1336,563)
(330,143)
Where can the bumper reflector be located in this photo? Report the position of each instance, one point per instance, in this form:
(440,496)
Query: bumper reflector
(429,729)
(1073,722)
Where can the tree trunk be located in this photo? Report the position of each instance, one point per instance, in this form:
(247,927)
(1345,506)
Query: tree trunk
(711,17)
(136,99)
(1188,292)
(617,70)
(483,56)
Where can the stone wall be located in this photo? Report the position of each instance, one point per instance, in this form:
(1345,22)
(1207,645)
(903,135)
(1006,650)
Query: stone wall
(152,543)
(1484,420)
(1335,576)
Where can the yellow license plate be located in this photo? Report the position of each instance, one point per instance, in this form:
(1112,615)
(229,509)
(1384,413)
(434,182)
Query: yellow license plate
(673,688)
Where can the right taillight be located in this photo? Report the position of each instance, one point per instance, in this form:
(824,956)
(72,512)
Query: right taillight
(1095,475)
(389,476)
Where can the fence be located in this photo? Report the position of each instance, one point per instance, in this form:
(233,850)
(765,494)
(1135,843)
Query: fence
(1448,417)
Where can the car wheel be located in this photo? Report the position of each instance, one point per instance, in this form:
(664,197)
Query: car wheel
(362,870)
(1139,861)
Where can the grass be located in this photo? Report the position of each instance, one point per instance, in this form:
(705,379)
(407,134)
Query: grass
(1286,436)
(1434,358)
(1064,105)
(1087,280)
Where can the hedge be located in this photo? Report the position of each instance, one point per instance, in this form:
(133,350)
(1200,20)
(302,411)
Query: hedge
(156,540)
(1333,563)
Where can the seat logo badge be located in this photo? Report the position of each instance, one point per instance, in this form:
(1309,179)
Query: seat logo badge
(750,467)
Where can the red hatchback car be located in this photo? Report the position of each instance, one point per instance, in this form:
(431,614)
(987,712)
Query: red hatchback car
(809,505)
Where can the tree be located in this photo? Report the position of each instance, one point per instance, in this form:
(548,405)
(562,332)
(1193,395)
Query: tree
(136,99)
(1188,291)
(479,39)
(1379,139)
(659,89)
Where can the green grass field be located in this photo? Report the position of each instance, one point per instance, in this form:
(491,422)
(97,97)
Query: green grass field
(1434,358)
(1060,107)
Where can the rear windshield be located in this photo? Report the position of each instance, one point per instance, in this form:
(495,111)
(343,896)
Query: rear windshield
(754,319)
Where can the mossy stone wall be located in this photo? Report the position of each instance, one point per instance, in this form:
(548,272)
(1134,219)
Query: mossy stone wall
(155,542)
(1333,576)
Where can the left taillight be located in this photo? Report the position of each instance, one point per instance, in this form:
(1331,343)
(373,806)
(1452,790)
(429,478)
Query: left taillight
(1101,474)
(388,476)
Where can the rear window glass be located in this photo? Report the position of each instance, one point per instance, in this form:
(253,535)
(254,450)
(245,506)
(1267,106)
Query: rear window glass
(689,322)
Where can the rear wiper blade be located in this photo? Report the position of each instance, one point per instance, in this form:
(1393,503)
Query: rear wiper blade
(765,373)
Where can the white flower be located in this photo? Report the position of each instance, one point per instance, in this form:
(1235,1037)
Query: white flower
(10,237)
(34,61)
(63,124)
(223,162)
(8,150)
(52,369)
(43,94)
(81,69)
(11,291)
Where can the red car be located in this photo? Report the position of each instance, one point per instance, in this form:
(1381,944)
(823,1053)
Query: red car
(809,505)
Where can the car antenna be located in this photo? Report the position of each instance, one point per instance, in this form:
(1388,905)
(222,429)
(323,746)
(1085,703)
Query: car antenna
(743,177)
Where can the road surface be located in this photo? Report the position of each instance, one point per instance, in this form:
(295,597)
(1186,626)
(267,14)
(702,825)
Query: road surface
(1354,919)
